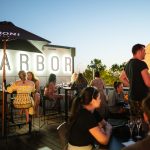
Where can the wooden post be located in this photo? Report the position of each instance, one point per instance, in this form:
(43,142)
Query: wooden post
(3,91)
(72,55)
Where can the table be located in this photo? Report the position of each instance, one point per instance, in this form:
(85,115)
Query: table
(119,135)
(66,99)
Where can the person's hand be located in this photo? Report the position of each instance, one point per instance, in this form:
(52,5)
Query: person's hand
(109,126)
(102,123)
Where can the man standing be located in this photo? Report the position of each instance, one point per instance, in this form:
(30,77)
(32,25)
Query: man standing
(136,76)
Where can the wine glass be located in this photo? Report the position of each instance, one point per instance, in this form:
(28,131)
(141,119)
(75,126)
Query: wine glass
(131,125)
(138,125)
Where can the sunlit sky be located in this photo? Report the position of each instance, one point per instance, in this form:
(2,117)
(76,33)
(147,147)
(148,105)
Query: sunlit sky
(102,29)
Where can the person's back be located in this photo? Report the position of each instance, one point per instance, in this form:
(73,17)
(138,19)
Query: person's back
(80,83)
(98,83)
(49,90)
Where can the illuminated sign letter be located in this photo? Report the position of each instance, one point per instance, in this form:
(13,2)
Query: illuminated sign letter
(67,63)
(24,60)
(40,63)
(6,63)
(55,63)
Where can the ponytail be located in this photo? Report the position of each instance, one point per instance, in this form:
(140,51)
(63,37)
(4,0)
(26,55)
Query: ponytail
(76,106)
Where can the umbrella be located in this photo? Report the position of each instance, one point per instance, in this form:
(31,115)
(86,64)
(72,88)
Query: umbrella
(16,38)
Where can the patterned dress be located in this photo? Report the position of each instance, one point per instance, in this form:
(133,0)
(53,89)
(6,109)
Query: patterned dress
(23,98)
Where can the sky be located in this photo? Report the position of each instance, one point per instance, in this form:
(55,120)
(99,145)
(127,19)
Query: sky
(101,29)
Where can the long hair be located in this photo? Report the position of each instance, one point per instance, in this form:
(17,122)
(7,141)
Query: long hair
(80,79)
(84,98)
(74,77)
(52,78)
(34,79)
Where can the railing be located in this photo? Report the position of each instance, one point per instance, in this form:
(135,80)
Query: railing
(109,89)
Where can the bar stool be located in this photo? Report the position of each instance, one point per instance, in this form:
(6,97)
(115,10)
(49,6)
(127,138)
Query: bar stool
(16,117)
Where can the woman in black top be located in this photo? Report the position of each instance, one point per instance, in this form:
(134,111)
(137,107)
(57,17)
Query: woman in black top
(86,124)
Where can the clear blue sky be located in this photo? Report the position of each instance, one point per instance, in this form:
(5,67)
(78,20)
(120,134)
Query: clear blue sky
(102,29)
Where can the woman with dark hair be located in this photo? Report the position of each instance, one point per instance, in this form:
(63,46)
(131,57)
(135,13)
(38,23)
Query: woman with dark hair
(80,83)
(86,125)
(50,91)
(36,95)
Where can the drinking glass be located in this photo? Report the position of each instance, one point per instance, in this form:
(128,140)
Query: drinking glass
(131,124)
(138,125)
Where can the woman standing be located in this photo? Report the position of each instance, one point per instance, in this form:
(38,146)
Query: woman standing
(99,84)
(86,124)
(23,99)
(36,96)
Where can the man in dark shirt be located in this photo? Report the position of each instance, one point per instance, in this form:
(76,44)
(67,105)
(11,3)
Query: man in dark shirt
(137,77)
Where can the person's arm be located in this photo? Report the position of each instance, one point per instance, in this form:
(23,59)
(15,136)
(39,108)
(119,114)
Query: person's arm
(37,86)
(102,123)
(123,77)
(146,77)
(91,83)
(33,88)
(12,88)
(102,135)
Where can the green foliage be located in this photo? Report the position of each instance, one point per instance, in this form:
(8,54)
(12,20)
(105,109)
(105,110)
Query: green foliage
(108,76)
(96,64)
(88,75)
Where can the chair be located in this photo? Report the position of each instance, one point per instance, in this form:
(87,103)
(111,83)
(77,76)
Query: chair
(63,134)
(16,116)
(51,108)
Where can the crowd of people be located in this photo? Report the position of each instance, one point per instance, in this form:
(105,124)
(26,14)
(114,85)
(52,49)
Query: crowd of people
(90,107)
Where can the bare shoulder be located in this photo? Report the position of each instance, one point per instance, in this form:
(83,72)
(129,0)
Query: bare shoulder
(37,82)
(17,82)
(30,82)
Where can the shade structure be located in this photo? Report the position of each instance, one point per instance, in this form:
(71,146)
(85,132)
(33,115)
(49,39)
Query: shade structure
(22,45)
(9,31)
(16,38)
